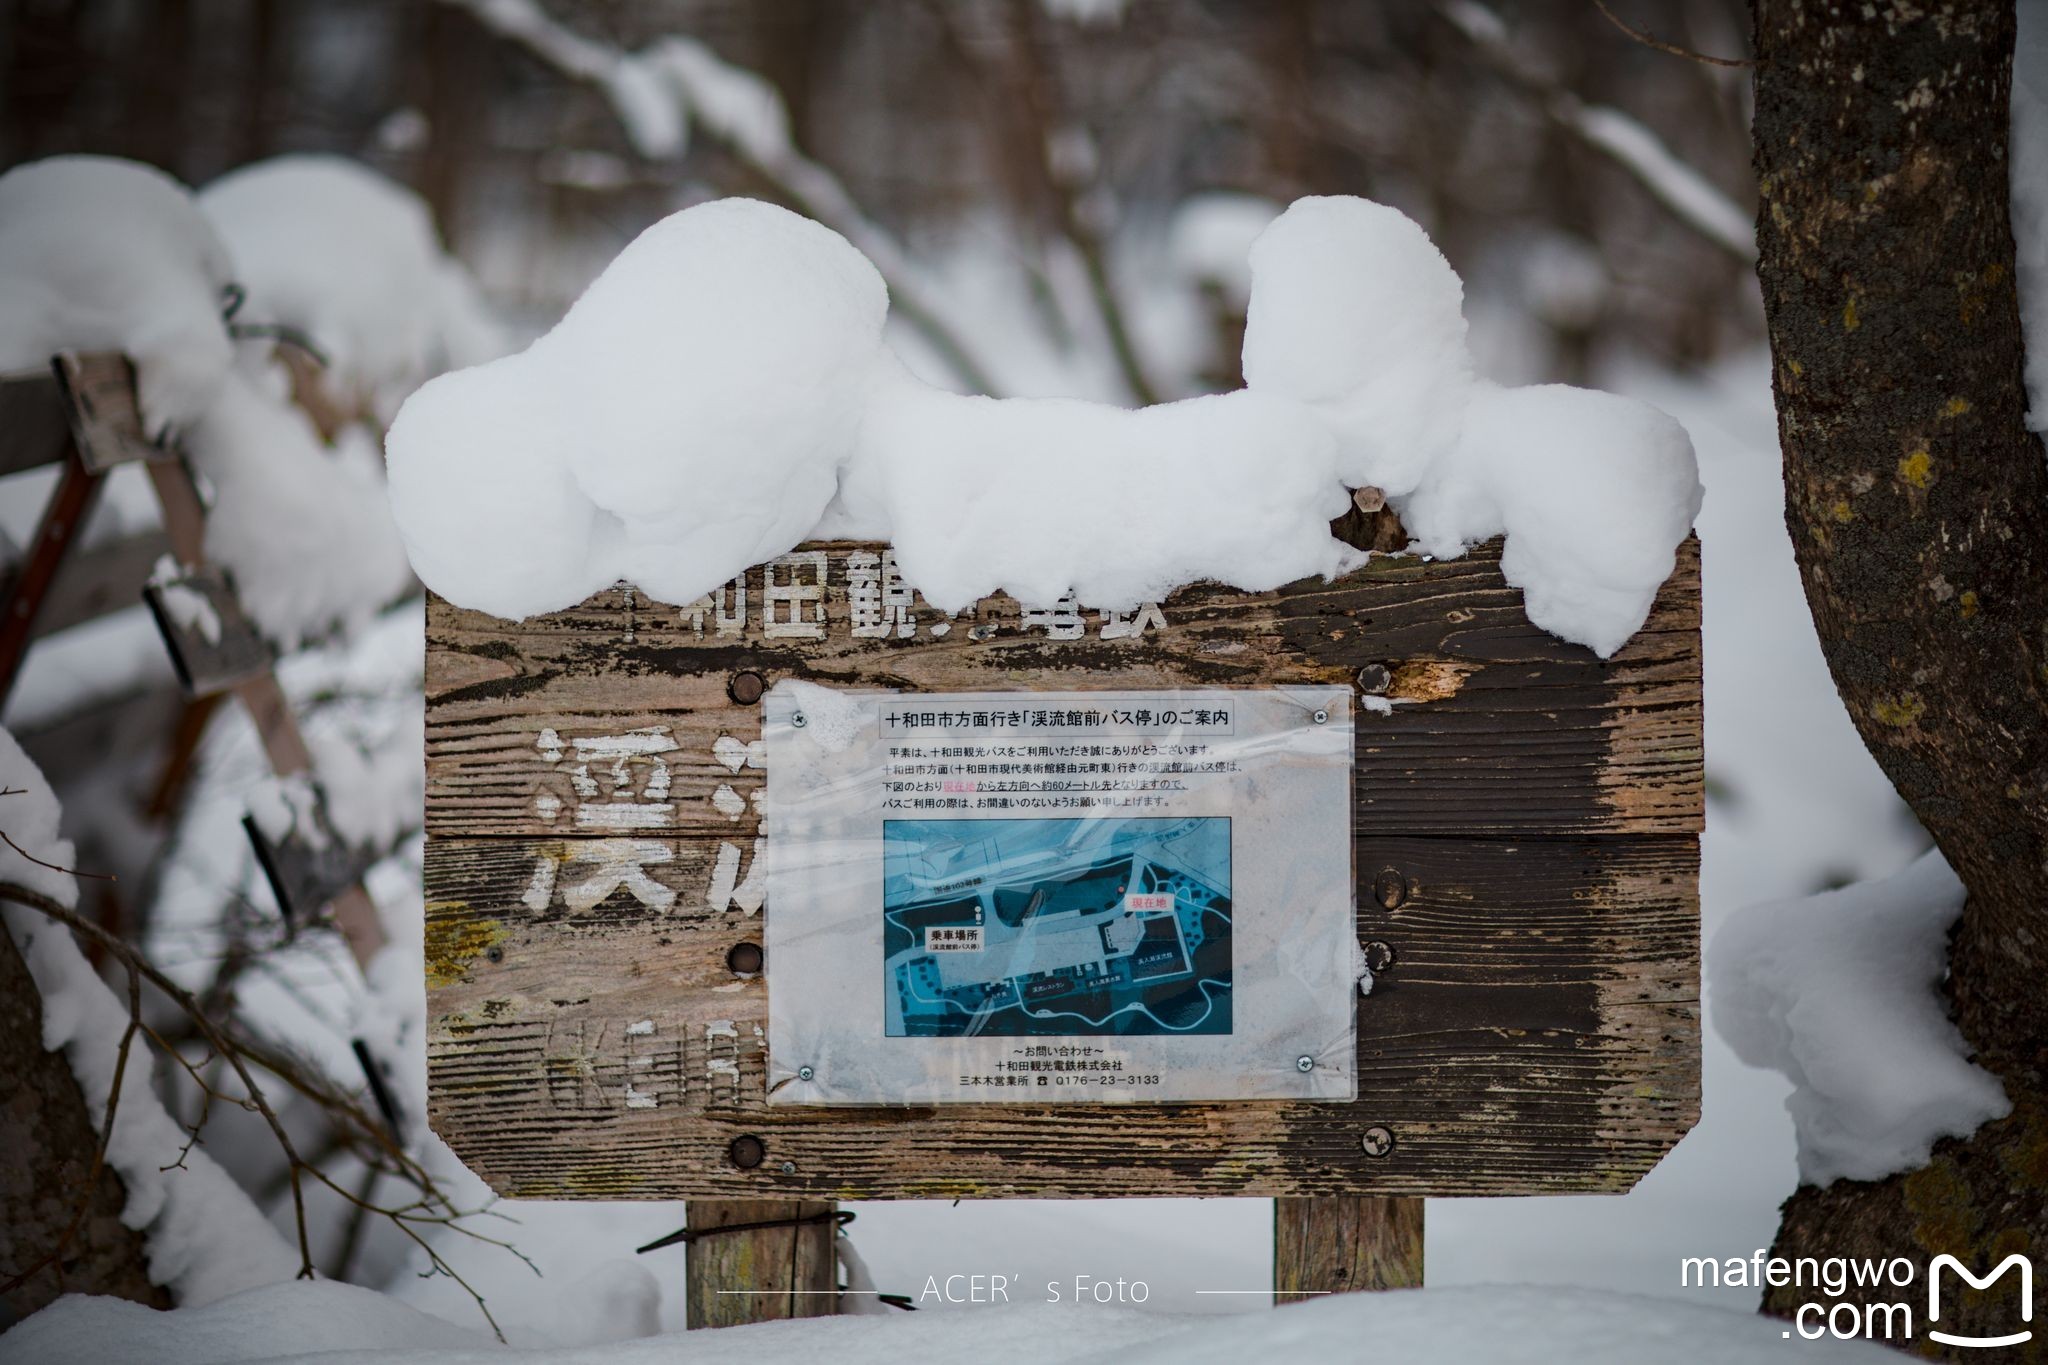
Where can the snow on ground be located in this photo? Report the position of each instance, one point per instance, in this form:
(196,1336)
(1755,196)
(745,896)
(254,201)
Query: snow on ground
(205,1239)
(723,390)
(327,1324)
(1842,993)
(330,248)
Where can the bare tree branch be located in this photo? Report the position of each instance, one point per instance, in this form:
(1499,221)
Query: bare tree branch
(1624,141)
(675,82)
(1671,49)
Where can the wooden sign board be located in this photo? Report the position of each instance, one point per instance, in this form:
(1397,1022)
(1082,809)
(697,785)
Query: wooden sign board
(1526,851)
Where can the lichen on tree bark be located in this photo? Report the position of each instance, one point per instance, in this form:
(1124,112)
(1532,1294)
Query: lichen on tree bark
(1918,507)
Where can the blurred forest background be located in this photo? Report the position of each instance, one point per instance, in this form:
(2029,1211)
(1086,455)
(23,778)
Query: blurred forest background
(1031,131)
(1061,194)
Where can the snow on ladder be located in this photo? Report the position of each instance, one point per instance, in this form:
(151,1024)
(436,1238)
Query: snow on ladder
(84,413)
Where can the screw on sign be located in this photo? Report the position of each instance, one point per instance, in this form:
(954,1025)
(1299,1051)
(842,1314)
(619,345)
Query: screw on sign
(642,890)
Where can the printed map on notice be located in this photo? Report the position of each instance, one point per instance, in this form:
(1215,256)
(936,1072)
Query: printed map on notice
(1087,927)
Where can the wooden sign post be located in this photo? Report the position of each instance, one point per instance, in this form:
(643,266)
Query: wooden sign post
(1526,821)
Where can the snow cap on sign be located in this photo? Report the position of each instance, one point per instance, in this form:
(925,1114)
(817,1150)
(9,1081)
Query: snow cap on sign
(723,391)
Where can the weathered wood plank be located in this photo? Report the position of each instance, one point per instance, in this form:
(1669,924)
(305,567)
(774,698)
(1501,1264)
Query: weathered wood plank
(762,1274)
(1537,1031)
(212,642)
(105,414)
(96,580)
(1345,1246)
(35,420)
(1498,728)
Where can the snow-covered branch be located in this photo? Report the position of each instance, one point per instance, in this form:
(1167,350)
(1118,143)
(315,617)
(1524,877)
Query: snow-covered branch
(674,83)
(1690,197)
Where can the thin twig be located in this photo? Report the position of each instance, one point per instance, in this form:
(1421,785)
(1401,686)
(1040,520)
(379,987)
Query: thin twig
(1672,49)
(67,871)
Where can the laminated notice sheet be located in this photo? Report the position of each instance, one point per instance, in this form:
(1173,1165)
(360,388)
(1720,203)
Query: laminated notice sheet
(1059,897)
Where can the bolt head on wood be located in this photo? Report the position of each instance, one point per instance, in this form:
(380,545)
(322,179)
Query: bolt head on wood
(746,687)
(744,959)
(1377,1141)
(747,1152)
(1390,888)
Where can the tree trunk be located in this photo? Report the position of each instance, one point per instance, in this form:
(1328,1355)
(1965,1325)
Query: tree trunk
(1918,507)
(50,1140)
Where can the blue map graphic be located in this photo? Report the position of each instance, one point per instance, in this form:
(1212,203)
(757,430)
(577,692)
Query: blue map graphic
(1056,928)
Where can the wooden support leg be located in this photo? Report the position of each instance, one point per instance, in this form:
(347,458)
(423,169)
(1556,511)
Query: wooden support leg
(761,1275)
(61,520)
(1345,1245)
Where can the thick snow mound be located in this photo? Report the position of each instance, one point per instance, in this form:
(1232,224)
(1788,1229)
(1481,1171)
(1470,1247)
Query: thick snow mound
(687,418)
(100,254)
(1593,492)
(1038,497)
(1840,992)
(723,390)
(1355,311)
(1504,1325)
(305,529)
(330,248)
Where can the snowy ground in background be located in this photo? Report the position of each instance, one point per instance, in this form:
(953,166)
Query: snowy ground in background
(333,1324)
